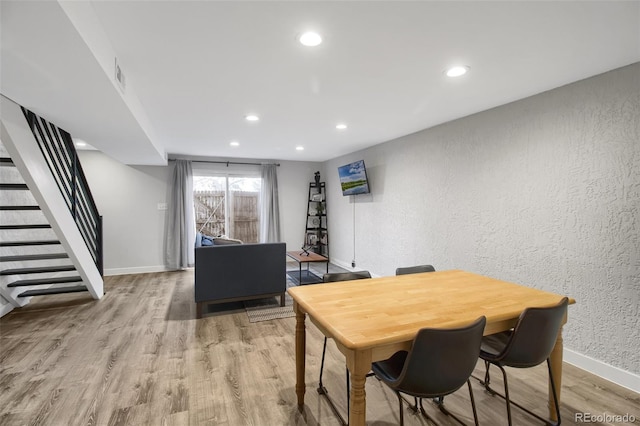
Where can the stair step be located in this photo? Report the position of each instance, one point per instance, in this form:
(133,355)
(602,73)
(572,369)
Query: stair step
(19,207)
(40,226)
(45,281)
(28,243)
(25,257)
(6,161)
(53,290)
(39,270)
(13,186)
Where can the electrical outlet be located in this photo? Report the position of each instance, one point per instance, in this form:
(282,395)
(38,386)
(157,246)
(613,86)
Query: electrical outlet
(162,206)
(353,263)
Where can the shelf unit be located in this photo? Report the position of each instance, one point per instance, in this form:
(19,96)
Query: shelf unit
(316,236)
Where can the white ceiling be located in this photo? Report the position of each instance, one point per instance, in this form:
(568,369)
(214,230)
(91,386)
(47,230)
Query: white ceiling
(195,69)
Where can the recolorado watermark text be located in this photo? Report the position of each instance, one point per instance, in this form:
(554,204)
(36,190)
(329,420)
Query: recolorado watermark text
(604,418)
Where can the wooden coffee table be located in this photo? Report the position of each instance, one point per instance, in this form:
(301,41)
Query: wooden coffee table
(307,257)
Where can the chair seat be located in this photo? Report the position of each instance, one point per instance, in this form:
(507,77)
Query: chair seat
(389,370)
(493,345)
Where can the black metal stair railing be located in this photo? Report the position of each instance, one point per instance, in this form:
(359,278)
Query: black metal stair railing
(61,156)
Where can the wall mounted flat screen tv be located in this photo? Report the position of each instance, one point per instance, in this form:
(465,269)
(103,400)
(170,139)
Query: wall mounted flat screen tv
(353,178)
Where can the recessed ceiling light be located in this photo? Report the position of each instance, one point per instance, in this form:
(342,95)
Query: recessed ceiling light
(234,143)
(457,71)
(252,117)
(310,39)
(81,144)
(341,126)
(299,148)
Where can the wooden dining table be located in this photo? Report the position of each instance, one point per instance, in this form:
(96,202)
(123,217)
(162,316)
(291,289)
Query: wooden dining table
(371,319)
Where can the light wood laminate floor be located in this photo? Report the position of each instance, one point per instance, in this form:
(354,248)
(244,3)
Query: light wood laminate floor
(138,356)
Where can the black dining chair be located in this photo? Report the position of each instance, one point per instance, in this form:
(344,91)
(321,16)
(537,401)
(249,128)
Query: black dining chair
(415,269)
(330,278)
(439,363)
(527,345)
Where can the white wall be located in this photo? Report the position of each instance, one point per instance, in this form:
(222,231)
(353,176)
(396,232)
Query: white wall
(128,198)
(544,192)
(293,185)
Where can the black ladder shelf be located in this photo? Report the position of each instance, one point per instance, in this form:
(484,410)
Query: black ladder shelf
(316,231)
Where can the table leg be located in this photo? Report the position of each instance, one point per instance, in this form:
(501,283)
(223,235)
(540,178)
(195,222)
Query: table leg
(556,368)
(301,338)
(359,366)
(300,272)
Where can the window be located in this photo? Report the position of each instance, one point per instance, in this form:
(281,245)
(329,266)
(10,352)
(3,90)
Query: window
(227,205)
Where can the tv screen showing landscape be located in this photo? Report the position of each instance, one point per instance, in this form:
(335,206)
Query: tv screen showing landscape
(353,178)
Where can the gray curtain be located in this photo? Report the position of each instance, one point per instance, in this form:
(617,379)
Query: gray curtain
(180,235)
(269,210)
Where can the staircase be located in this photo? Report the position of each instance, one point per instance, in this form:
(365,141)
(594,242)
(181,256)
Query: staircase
(49,243)
(29,255)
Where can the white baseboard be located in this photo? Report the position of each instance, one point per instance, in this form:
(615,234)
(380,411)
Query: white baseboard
(5,309)
(342,264)
(347,266)
(135,270)
(608,372)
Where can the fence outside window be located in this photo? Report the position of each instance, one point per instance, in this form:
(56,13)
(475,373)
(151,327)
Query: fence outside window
(244,218)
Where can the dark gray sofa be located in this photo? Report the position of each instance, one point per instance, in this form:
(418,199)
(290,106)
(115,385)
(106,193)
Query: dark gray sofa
(227,273)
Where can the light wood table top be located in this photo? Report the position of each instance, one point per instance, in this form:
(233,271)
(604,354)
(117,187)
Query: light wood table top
(370,319)
(368,313)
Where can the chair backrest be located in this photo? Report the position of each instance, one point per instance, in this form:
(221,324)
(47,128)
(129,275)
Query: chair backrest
(534,336)
(415,269)
(441,360)
(345,276)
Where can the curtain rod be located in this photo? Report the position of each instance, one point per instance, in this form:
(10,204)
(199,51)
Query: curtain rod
(228,162)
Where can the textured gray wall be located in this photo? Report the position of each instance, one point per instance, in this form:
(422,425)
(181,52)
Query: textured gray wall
(544,192)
